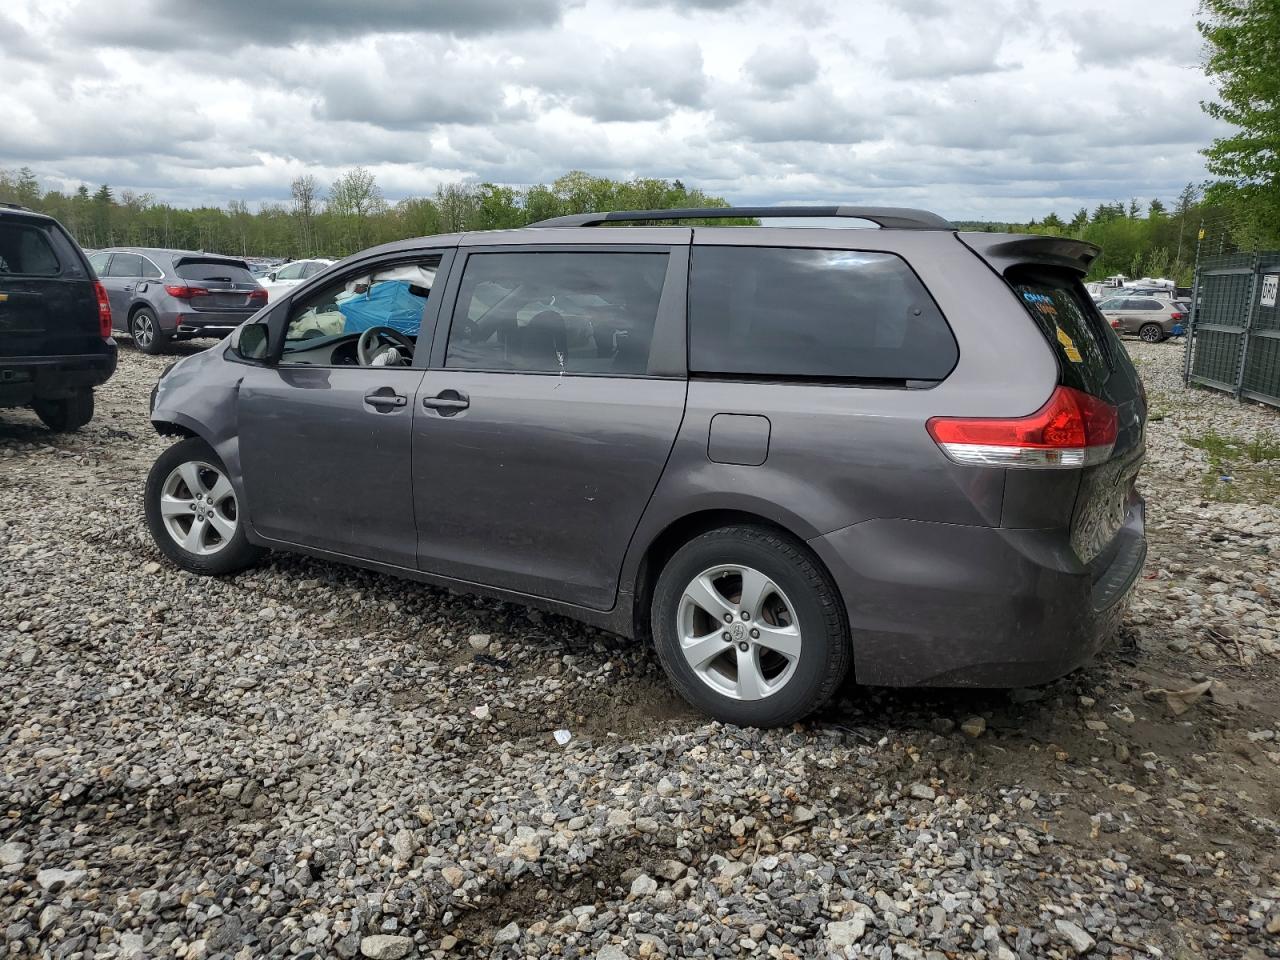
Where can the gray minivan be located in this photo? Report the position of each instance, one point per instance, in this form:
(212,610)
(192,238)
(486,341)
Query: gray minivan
(778,452)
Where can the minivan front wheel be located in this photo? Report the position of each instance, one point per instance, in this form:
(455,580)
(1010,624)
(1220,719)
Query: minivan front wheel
(146,332)
(1151,333)
(193,513)
(749,627)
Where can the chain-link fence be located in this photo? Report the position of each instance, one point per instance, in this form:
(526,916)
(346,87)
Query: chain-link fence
(1234,339)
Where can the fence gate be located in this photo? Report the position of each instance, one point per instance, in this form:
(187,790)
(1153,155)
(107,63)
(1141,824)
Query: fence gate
(1234,338)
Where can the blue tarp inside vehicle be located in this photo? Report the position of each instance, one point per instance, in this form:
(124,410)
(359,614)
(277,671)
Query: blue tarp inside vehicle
(387,304)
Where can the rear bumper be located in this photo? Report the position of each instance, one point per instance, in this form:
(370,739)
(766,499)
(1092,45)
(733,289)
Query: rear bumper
(935,604)
(186,324)
(22,379)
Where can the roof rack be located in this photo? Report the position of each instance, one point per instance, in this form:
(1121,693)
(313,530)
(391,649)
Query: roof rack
(889,218)
(14,206)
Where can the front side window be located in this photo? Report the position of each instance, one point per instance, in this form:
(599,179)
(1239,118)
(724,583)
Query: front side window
(326,326)
(125,265)
(25,250)
(572,313)
(816,314)
(290,271)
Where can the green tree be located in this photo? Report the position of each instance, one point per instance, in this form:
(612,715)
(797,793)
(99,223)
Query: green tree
(1243,39)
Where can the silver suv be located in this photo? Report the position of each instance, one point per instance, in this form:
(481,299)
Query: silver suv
(159,296)
(778,453)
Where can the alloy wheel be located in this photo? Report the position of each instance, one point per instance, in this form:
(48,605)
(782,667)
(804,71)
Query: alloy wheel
(143,329)
(738,632)
(198,508)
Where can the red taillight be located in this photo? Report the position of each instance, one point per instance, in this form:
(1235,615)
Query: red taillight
(1115,324)
(183,292)
(258,296)
(104,309)
(1072,429)
(1177,316)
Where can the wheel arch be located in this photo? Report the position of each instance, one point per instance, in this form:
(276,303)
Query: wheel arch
(677,533)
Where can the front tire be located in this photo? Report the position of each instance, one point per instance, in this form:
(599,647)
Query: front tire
(146,332)
(1151,333)
(193,513)
(67,413)
(749,627)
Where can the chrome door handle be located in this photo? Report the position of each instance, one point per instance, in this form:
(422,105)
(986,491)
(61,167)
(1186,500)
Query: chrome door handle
(386,400)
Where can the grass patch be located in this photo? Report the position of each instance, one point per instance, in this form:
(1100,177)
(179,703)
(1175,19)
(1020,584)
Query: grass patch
(1246,462)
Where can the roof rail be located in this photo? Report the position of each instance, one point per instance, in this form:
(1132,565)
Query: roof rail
(14,206)
(889,218)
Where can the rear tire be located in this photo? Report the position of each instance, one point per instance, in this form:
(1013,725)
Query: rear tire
(1151,333)
(193,513)
(146,332)
(66,414)
(777,645)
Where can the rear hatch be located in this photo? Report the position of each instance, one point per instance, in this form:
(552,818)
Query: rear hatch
(47,302)
(1046,275)
(219,285)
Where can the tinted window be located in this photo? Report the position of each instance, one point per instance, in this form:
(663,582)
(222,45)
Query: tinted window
(1080,338)
(1149,305)
(125,265)
(150,270)
(1114,303)
(557,312)
(25,249)
(99,262)
(227,271)
(825,314)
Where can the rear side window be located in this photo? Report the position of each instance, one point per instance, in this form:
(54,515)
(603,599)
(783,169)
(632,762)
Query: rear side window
(819,314)
(1080,338)
(210,270)
(125,265)
(25,250)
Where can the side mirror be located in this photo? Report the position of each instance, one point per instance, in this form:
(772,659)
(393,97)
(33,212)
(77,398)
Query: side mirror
(253,342)
(271,276)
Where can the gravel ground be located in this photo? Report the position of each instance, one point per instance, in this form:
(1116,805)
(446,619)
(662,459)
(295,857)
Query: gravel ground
(312,761)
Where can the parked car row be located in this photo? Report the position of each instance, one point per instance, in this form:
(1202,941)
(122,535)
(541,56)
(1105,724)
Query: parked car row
(1150,319)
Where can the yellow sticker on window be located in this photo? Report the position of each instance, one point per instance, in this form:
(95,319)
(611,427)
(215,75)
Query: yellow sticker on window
(1069,347)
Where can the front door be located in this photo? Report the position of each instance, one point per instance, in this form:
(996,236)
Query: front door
(326,432)
(546,420)
(123,274)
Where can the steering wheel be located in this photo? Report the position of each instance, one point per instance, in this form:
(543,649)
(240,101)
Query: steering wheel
(365,345)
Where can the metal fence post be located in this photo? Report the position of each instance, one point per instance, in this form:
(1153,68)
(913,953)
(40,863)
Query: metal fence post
(1248,323)
(1188,344)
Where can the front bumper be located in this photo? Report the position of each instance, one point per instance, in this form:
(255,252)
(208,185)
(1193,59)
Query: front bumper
(934,604)
(22,379)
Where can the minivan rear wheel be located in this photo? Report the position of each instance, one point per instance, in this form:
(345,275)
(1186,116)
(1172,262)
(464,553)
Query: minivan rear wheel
(1151,333)
(146,332)
(66,413)
(749,627)
(193,513)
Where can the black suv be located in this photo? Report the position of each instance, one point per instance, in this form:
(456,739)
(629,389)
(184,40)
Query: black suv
(55,321)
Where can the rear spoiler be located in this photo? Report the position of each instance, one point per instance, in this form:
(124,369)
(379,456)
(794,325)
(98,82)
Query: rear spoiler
(210,258)
(1005,250)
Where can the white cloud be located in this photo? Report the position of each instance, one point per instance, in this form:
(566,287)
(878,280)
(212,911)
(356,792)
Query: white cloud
(1003,110)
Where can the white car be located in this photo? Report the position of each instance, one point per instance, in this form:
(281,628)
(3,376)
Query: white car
(287,276)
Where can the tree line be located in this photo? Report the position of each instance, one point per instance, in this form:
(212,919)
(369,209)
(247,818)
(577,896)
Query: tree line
(334,221)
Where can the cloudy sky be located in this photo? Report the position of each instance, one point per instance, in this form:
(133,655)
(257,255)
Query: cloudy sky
(986,109)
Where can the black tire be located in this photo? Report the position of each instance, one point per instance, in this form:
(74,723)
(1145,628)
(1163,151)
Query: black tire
(67,413)
(1151,333)
(825,650)
(146,332)
(234,554)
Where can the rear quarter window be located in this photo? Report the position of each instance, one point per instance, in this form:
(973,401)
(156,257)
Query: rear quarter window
(1082,341)
(775,312)
(210,270)
(25,250)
